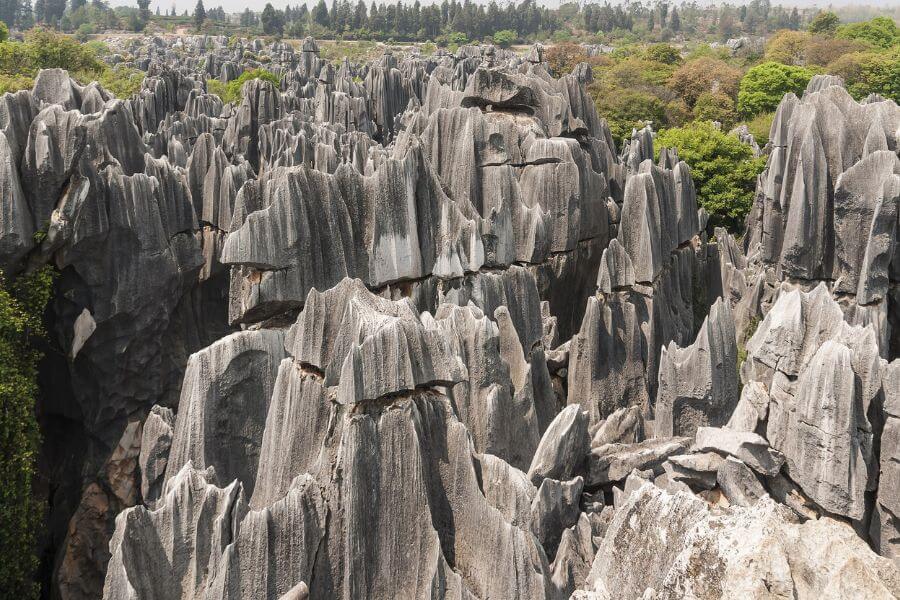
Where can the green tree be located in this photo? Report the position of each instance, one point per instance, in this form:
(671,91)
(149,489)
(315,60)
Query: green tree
(663,53)
(25,16)
(46,49)
(21,322)
(824,23)
(723,169)
(320,14)
(199,15)
(4,32)
(712,106)
(867,73)
(625,109)
(880,31)
(763,86)
(271,20)
(788,47)
(505,38)
(760,126)
(8,12)
(794,20)
(144,7)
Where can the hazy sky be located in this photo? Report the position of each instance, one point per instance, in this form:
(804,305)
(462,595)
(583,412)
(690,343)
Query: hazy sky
(257,5)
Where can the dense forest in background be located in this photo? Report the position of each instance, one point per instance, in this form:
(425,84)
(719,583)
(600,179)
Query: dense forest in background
(447,22)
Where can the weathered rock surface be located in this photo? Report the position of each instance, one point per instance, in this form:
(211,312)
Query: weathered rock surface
(822,375)
(698,385)
(745,446)
(661,545)
(413,328)
(563,447)
(614,462)
(885,526)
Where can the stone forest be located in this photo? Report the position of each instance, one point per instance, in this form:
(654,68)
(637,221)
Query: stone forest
(413,327)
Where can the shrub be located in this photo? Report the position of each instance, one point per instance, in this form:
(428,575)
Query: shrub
(215,86)
(760,126)
(562,58)
(763,86)
(45,49)
(84,31)
(637,71)
(48,49)
(231,92)
(457,38)
(505,38)
(21,321)
(822,51)
(663,53)
(677,113)
(14,83)
(15,59)
(122,81)
(723,169)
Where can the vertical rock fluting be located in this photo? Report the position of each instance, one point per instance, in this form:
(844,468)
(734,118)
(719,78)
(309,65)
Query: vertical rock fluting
(479,353)
(826,205)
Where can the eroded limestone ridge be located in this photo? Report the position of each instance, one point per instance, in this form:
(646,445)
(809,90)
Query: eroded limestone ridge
(413,328)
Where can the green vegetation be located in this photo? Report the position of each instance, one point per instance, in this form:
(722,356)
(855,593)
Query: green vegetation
(505,38)
(760,126)
(870,72)
(199,15)
(629,109)
(715,106)
(355,51)
(451,23)
(826,22)
(880,32)
(681,90)
(231,92)
(45,49)
(21,310)
(765,84)
(14,83)
(122,81)
(724,170)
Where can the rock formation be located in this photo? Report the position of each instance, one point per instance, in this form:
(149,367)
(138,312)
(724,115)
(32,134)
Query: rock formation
(414,328)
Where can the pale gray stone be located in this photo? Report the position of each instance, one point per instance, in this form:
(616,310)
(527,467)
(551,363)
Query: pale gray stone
(563,447)
(746,446)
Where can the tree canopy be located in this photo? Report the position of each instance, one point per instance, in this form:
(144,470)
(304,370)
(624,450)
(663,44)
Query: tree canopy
(199,15)
(825,22)
(880,32)
(723,168)
(763,86)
